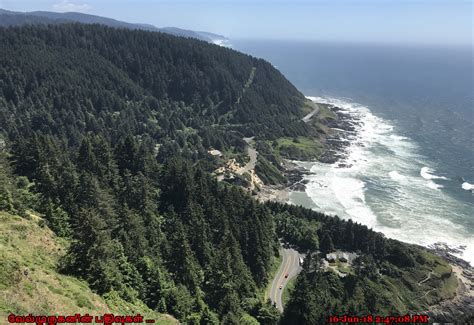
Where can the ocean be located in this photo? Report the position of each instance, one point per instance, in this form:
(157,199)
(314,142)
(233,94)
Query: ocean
(410,169)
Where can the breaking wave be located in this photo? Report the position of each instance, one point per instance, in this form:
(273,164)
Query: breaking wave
(379,185)
(396,176)
(468,187)
(427,173)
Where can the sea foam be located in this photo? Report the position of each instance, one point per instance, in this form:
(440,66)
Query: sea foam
(379,185)
(427,173)
(468,187)
(396,176)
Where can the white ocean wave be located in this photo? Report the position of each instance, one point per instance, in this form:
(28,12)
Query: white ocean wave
(433,185)
(316,99)
(468,187)
(222,42)
(362,191)
(427,173)
(398,137)
(396,176)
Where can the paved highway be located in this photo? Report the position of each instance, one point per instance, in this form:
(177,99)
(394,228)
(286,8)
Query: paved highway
(290,265)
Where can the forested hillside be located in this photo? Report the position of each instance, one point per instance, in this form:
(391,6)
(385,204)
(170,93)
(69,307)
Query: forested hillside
(16,18)
(386,278)
(151,76)
(108,125)
(105,132)
(176,241)
(31,283)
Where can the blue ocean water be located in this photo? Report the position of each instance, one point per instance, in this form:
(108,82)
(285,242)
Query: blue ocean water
(413,163)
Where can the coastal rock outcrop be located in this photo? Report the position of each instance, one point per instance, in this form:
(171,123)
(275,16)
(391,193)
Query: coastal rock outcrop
(459,309)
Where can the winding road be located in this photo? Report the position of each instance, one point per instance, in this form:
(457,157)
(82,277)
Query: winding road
(290,265)
(315,111)
(252,158)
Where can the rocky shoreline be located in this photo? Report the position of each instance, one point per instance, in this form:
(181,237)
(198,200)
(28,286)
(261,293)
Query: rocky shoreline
(344,130)
(456,310)
(460,308)
(295,182)
(342,135)
(295,176)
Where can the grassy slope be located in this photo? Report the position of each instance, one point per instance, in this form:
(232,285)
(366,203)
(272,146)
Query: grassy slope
(287,290)
(431,282)
(308,106)
(274,269)
(30,283)
(414,289)
(307,148)
(325,113)
(310,147)
(301,148)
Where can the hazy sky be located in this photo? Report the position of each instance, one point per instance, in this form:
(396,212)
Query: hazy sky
(399,21)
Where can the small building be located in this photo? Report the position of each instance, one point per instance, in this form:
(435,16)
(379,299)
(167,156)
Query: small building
(215,152)
(343,257)
(331,259)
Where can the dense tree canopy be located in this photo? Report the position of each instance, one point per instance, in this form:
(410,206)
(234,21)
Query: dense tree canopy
(73,79)
(105,133)
(94,116)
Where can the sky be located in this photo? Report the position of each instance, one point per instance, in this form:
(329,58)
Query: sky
(385,21)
